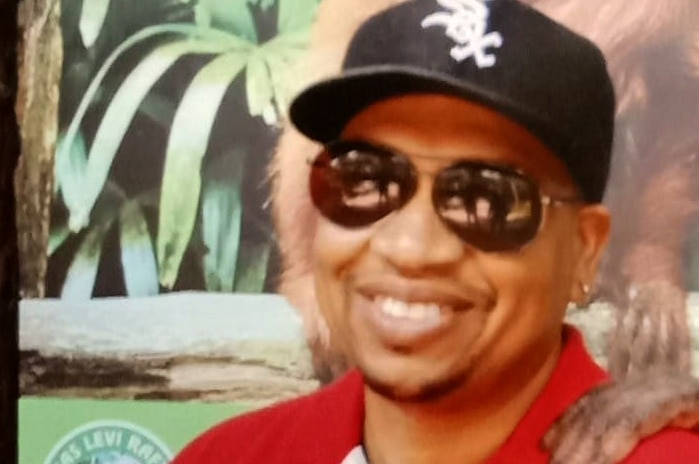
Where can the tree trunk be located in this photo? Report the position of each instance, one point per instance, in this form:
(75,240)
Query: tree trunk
(37,113)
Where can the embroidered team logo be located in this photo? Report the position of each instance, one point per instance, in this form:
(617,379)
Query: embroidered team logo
(109,442)
(466,24)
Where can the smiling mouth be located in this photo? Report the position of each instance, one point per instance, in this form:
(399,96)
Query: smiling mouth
(408,312)
(418,312)
(418,299)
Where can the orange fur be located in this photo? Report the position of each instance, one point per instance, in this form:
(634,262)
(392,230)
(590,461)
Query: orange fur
(293,213)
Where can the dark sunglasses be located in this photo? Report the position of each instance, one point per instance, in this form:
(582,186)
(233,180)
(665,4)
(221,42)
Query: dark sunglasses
(491,207)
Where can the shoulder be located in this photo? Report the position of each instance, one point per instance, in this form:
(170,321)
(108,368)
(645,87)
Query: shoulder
(676,446)
(303,430)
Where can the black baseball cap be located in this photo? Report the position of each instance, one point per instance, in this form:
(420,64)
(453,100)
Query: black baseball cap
(499,53)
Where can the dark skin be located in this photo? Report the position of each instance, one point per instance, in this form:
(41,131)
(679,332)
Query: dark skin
(481,369)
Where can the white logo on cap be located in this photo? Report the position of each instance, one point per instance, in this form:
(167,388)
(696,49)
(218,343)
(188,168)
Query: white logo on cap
(466,25)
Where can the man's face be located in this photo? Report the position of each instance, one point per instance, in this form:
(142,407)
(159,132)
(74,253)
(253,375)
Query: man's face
(424,314)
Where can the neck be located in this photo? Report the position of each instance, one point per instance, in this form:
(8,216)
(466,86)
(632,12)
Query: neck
(466,427)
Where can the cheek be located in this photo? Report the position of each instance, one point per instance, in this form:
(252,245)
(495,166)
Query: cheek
(533,288)
(540,281)
(552,260)
(336,251)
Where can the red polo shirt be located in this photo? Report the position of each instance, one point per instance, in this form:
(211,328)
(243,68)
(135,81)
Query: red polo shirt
(324,427)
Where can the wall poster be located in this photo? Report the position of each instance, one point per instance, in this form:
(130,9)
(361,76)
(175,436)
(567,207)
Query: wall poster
(159,314)
(159,293)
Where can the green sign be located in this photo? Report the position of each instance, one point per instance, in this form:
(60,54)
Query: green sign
(66,431)
(109,442)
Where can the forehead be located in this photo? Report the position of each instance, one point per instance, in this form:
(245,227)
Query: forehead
(443,129)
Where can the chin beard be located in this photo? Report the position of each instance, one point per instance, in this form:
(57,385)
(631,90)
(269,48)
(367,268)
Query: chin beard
(427,392)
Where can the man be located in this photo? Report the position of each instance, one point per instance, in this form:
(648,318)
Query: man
(456,329)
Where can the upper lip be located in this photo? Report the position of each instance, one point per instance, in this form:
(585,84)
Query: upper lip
(421,291)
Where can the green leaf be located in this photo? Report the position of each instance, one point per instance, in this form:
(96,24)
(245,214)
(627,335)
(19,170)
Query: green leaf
(82,273)
(149,198)
(282,86)
(92,18)
(63,153)
(187,145)
(58,234)
(253,260)
(288,45)
(70,168)
(258,85)
(263,4)
(80,279)
(202,15)
(119,115)
(222,214)
(281,57)
(233,16)
(137,253)
(159,108)
(296,14)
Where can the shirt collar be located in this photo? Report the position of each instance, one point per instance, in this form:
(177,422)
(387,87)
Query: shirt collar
(575,374)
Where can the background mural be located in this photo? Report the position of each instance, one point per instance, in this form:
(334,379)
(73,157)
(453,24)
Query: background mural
(163,108)
(149,262)
(161,261)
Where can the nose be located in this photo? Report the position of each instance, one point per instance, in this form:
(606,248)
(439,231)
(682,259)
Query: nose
(414,240)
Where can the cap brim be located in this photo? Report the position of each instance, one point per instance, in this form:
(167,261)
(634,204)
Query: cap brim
(323,110)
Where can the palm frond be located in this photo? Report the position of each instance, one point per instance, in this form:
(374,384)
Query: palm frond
(65,154)
(233,16)
(137,252)
(120,113)
(253,261)
(295,15)
(185,195)
(222,218)
(264,5)
(186,147)
(82,273)
(58,234)
(70,168)
(258,86)
(281,54)
(92,17)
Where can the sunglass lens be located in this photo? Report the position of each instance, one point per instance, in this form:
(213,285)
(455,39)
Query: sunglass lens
(491,208)
(354,186)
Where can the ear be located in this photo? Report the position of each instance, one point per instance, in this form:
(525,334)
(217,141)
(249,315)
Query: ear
(594,224)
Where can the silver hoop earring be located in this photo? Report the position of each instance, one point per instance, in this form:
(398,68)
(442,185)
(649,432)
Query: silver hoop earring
(583,302)
(585,289)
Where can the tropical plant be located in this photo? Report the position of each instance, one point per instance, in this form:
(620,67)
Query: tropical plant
(163,156)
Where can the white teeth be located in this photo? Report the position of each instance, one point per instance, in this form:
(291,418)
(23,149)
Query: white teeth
(413,311)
